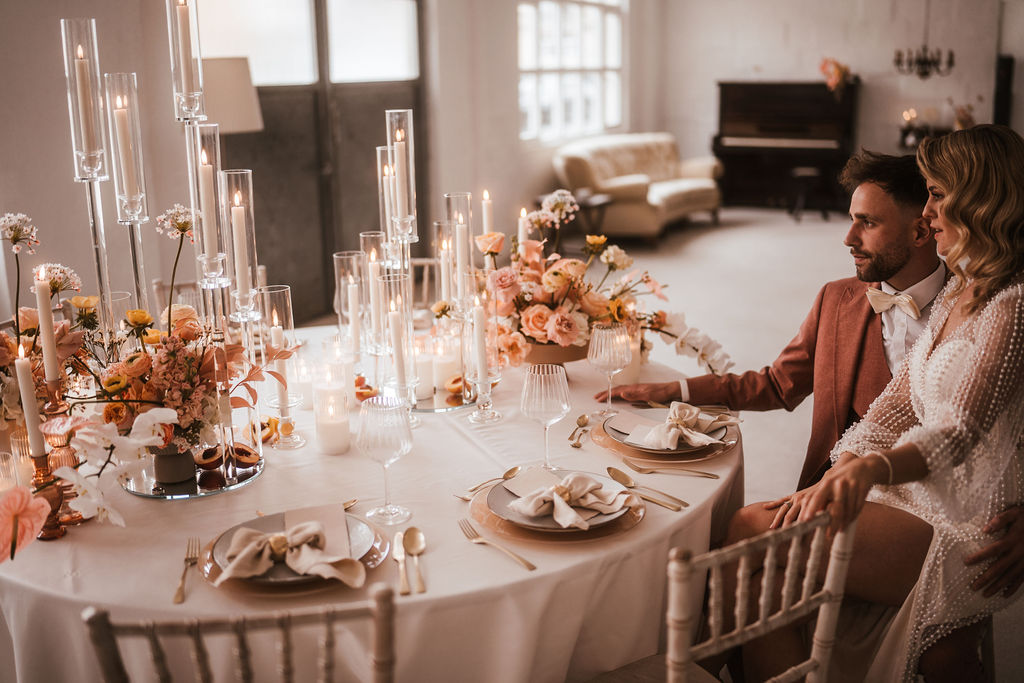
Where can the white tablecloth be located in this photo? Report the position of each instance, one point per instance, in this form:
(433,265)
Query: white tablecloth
(589,607)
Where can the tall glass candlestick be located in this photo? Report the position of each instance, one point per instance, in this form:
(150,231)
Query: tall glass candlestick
(348,296)
(400,339)
(125,127)
(386,189)
(85,106)
(402,157)
(211,247)
(237,210)
(186,60)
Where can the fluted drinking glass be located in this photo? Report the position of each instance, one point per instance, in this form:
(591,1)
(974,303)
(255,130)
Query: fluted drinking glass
(609,352)
(384,435)
(545,398)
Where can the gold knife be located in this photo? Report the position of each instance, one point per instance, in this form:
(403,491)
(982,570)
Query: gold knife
(399,553)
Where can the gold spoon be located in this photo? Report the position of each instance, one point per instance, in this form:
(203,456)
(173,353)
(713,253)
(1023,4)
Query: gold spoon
(415,543)
(581,422)
(509,473)
(349,504)
(627,481)
(578,443)
(668,470)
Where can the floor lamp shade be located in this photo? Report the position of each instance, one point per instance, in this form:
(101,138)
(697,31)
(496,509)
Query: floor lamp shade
(231,98)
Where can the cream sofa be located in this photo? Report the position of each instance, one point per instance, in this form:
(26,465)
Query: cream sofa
(649,184)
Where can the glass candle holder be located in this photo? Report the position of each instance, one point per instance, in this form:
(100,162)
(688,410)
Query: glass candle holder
(204,153)
(125,129)
(399,334)
(339,368)
(305,371)
(443,250)
(401,156)
(237,211)
(372,245)
(385,190)
(348,291)
(332,426)
(186,60)
(458,211)
(477,371)
(85,106)
(278,332)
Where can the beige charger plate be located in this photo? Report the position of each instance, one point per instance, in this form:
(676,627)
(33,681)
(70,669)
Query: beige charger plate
(601,438)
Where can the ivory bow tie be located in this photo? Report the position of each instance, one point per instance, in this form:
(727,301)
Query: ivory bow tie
(880,301)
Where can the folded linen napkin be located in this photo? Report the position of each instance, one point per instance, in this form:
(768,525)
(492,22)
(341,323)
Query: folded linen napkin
(688,423)
(301,547)
(575,490)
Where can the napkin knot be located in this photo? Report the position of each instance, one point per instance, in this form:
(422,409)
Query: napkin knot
(278,544)
(688,423)
(564,500)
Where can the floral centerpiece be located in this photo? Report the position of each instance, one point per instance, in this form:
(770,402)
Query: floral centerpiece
(837,75)
(550,301)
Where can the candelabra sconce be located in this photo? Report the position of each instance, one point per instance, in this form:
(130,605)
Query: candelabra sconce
(125,128)
(186,60)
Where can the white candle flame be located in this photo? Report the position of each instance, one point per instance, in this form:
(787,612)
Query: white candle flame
(486,195)
(80,52)
(204,160)
(522,212)
(273,314)
(119,103)
(238,198)
(399,135)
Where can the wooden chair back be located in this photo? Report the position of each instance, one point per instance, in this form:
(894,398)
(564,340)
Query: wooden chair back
(105,635)
(800,595)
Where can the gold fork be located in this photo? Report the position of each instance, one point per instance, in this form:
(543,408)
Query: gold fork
(191,558)
(474,537)
(668,470)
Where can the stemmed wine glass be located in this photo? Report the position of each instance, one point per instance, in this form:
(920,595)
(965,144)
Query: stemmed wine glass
(609,352)
(545,399)
(384,435)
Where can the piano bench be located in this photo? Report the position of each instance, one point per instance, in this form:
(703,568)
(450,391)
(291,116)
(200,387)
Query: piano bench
(806,183)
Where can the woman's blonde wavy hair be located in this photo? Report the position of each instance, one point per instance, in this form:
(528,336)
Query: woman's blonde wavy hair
(981,171)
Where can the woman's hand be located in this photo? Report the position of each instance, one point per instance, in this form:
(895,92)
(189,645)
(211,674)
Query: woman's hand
(660,392)
(789,507)
(843,489)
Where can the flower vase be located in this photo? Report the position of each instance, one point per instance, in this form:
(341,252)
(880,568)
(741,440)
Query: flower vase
(555,354)
(171,466)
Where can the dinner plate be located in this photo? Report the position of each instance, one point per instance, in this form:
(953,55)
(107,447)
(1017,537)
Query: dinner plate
(626,422)
(360,539)
(499,498)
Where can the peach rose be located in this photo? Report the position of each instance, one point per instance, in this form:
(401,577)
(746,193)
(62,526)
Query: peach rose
(490,243)
(28,318)
(563,328)
(8,350)
(533,250)
(515,347)
(594,304)
(137,364)
(504,283)
(533,322)
(187,329)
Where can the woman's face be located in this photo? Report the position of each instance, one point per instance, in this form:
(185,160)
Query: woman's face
(933,211)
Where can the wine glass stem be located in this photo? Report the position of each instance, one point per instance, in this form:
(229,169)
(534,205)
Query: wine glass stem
(608,407)
(547,450)
(387,488)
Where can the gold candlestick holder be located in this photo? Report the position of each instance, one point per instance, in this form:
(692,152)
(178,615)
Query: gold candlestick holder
(57,431)
(55,403)
(52,494)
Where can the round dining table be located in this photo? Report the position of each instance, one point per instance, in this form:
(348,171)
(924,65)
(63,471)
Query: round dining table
(594,603)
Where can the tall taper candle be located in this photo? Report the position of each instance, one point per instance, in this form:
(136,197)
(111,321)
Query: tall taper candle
(401,207)
(188,82)
(461,257)
(281,365)
(398,344)
(124,148)
(46,337)
(207,205)
(524,230)
(480,344)
(243,278)
(376,300)
(86,113)
(353,316)
(27,388)
(487,209)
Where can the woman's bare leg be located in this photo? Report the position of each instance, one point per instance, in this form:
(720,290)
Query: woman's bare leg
(954,658)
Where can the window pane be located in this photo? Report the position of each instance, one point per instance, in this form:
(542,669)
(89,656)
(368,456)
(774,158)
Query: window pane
(612,100)
(612,40)
(570,36)
(550,114)
(277,37)
(591,103)
(591,37)
(572,105)
(527,36)
(372,41)
(528,114)
(549,33)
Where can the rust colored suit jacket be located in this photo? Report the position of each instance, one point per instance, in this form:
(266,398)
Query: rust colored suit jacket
(838,355)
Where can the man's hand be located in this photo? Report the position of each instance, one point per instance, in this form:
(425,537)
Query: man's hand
(1006,571)
(661,392)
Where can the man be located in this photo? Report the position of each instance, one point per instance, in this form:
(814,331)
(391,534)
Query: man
(845,352)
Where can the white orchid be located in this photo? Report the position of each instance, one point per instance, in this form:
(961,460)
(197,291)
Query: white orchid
(147,430)
(692,342)
(90,501)
(94,441)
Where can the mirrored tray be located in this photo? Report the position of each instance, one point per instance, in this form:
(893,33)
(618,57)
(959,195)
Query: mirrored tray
(205,483)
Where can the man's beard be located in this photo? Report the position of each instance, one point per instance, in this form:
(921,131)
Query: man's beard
(884,265)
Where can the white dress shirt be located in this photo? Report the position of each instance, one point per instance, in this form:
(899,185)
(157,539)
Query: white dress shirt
(899,330)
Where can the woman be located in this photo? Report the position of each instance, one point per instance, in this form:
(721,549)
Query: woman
(942,449)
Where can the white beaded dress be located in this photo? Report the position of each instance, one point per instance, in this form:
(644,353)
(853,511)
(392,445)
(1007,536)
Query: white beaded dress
(962,405)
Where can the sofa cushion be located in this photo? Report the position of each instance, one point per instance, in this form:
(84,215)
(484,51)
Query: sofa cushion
(626,187)
(682,195)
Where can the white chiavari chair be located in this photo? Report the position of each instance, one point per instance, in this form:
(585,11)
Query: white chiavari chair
(206,638)
(756,564)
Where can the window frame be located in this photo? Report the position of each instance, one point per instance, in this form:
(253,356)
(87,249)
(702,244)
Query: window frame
(621,10)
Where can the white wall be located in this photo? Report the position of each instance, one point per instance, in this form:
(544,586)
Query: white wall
(36,174)
(786,40)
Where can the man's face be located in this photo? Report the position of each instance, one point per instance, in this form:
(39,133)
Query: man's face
(881,235)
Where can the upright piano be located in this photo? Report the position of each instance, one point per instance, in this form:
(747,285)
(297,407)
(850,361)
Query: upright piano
(766,130)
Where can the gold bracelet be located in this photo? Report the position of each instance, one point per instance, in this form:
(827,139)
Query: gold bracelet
(888,463)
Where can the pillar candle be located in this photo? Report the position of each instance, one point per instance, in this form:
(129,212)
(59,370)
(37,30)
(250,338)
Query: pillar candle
(27,388)
(524,231)
(480,346)
(401,176)
(332,428)
(353,315)
(125,157)
(185,48)
(425,373)
(376,300)
(461,257)
(86,113)
(445,367)
(207,205)
(281,365)
(487,209)
(46,337)
(243,278)
(397,345)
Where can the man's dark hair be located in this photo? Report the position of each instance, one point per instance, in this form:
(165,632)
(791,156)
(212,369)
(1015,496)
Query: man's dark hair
(897,175)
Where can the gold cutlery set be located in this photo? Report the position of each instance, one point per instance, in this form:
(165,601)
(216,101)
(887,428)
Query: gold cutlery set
(411,542)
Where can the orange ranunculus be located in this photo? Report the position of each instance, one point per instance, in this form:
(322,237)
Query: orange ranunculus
(115,412)
(137,364)
(115,383)
(138,317)
(151,337)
